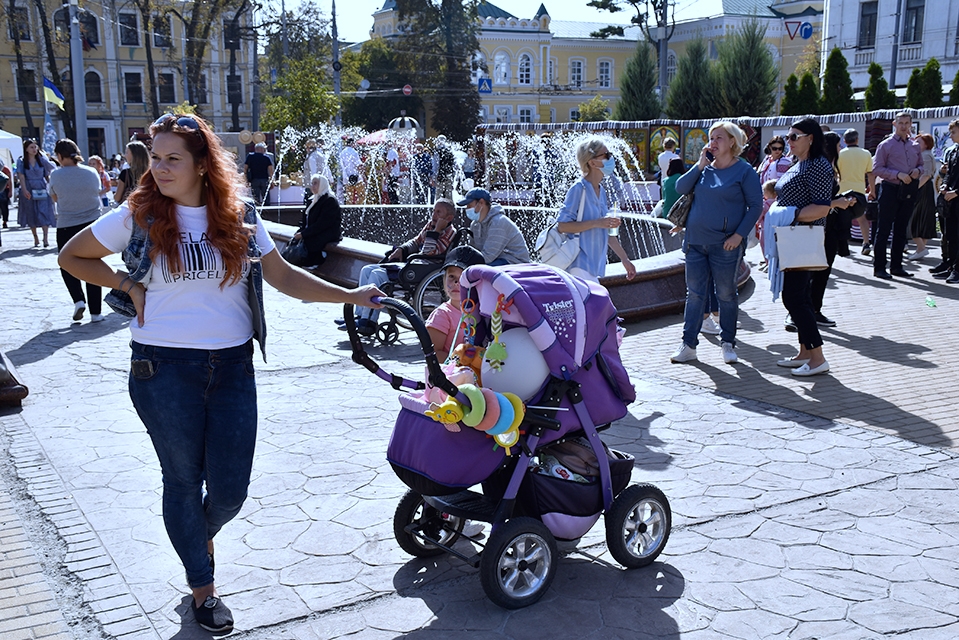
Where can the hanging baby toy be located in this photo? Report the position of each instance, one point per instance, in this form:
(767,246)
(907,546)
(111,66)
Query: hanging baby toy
(496,352)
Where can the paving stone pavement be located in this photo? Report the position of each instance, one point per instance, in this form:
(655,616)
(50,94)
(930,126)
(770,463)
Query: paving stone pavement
(787,524)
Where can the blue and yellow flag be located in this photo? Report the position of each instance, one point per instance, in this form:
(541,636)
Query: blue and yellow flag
(52,94)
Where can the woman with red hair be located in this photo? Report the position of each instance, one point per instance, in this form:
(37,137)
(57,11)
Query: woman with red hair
(196,255)
(924,215)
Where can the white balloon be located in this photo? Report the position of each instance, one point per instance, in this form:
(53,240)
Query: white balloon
(523,372)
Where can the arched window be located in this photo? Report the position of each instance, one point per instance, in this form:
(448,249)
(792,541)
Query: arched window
(670,67)
(479,70)
(91,83)
(501,68)
(525,69)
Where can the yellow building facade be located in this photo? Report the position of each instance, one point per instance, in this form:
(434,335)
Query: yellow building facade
(115,70)
(540,70)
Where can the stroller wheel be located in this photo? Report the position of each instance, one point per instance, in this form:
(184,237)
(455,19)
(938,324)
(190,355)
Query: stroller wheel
(413,511)
(387,333)
(638,525)
(519,563)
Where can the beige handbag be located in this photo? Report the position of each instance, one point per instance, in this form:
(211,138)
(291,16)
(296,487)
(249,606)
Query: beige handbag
(801,247)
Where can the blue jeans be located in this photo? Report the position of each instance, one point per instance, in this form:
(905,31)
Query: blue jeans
(199,408)
(707,266)
(375,274)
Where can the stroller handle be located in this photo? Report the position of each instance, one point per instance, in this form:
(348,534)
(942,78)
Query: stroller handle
(436,376)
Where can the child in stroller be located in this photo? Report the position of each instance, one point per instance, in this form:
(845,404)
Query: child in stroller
(551,374)
(444,319)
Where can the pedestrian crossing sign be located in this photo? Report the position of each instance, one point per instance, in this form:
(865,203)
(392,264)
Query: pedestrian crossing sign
(485,85)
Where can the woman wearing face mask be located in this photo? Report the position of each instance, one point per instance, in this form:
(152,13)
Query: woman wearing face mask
(727,203)
(595,229)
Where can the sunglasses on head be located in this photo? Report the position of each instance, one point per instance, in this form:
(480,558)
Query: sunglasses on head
(792,137)
(185,122)
(607,155)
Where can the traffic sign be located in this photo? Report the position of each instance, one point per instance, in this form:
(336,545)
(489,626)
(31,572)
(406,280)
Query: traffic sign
(485,85)
(805,31)
(407,90)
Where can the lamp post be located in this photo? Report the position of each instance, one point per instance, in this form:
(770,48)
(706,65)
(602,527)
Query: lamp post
(76,74)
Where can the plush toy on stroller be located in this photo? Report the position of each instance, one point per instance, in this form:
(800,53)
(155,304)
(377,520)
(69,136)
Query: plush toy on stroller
(543,348)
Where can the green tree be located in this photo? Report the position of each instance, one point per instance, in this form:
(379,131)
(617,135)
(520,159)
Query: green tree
(747,72)
(808,95)
(302,98)
(915,90)
(790,104)
(932,83)
(837,85)
(440,41)
(381,102)
(692,92)
(878,95)
(637,98)
(307,34)
(595,110)
(954,92)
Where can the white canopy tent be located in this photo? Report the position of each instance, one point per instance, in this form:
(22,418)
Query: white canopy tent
(11,147)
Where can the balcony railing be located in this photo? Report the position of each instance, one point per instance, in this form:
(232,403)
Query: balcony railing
(864,58)
(910,53)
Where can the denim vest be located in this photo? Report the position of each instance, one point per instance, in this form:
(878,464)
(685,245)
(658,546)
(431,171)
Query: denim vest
(136,257)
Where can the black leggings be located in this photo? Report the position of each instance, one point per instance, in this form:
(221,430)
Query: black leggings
(73,284)
(797,298)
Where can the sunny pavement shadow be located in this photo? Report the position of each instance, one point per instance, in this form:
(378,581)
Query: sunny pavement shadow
(45,344)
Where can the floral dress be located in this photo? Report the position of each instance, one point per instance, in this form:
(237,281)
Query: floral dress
(35,212)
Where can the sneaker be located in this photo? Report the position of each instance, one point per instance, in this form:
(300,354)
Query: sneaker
(340,321)
(78,309)
(940,268)
(918,255)
(710,328)
(866,248)
(97,317)
(685,353)
(789,325)
(213,615)
(953,277)
(823,321)
(729,353)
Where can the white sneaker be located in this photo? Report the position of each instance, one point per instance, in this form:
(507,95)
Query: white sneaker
(918,255)
(78,309)
(685,353)
(729,353)
(710,328)
(96,317)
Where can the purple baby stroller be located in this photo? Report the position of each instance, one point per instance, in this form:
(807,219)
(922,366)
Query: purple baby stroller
(574,385)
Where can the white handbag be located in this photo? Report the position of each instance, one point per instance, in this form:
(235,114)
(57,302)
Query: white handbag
(801,247)
(559,249)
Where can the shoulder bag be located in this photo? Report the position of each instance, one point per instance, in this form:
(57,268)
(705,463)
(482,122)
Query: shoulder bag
(295,252)
(679,212)
(559,249)
(801,247)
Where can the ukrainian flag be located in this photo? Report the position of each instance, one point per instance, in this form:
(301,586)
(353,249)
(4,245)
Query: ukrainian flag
(52,94)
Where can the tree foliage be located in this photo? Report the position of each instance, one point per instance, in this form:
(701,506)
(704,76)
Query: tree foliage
(638,100)
(692,93)
(808,95)
(837,85)
(878,94)
(439,44)
(954,92)
(790,104)
(202,21)
(748,77)
(595,110)
(383,100)
(302,98)
(915,91)
(307,35)
(925,86)
(810,60)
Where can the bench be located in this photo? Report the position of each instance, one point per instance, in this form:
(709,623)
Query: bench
(344,259)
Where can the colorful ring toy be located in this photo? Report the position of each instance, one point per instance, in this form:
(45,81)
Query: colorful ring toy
(492,411)
(506,416)
(477,403)
(518,408)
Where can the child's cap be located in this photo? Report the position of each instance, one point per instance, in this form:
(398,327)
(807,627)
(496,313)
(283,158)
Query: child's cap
(463,256)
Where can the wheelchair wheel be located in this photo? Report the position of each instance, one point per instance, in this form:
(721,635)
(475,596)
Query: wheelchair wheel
(519,563)
(387,333)
(429,294)
(638,525)
(441,527)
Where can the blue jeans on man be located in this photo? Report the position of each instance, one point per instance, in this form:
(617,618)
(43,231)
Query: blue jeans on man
(708,266)
(199,408)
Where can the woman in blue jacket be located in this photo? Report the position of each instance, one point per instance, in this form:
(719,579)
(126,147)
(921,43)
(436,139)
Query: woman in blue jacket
(727,203)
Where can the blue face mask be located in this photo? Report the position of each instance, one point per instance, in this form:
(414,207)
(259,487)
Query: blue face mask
(472,214)
(609,166)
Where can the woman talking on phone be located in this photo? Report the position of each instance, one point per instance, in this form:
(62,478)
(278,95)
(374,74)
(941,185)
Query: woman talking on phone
(197,255)
(727,201)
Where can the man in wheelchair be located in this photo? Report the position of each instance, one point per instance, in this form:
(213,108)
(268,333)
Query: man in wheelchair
(426,249)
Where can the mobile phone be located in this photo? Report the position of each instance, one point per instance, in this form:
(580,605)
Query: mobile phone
(709,155)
